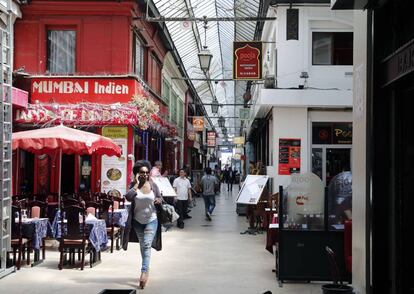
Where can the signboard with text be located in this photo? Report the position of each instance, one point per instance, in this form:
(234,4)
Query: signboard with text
(252,189)
(114,169)
(198,123)
(247,60)
(211,139)
(70,90)
(289,156)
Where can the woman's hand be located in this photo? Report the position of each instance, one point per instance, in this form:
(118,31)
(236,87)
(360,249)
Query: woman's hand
(157,201)
(136,182)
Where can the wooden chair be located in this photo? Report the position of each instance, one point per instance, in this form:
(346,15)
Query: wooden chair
(113,232)
(38,209)
(119,202)
(18,243)
(92,207)
(74,235)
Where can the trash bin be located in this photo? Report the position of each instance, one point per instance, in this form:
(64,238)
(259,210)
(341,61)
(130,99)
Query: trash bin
(337,289)
(118,291)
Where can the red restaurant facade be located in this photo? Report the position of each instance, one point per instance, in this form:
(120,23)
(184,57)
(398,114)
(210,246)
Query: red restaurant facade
(97,67)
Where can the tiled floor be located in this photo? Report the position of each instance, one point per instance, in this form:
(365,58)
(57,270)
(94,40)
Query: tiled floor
(205,258)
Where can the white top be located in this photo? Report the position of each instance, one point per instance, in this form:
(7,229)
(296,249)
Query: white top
(182,186)
(145,211)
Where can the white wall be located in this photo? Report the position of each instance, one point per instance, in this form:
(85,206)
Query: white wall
(359,155)
(295,56)
(289,123)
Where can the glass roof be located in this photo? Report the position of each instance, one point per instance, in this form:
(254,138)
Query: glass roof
(190,36)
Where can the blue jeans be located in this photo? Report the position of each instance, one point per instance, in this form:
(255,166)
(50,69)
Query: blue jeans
(209,202)
(145,234)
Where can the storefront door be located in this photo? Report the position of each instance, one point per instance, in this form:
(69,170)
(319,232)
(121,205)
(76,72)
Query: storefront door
(331,149)
(68,174)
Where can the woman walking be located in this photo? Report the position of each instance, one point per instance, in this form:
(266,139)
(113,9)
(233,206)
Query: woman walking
(142,225)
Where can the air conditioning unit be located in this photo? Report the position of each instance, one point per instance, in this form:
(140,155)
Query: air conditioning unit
(270,82)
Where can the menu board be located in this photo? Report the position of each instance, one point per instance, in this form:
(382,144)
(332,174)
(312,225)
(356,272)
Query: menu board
(289,156)
(114,169)
(165,186)
(252,189)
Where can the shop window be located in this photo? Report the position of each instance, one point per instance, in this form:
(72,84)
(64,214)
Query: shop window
(173,107)
(61,51)
(139,57)
(155,76)
(180,113)
(332,48)
(166,91)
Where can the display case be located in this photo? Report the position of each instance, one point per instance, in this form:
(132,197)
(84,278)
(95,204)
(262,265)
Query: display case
(306,226)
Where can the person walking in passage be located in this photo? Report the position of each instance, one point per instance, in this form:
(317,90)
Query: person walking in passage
(183,188)
(209,185)
(230,179)
(142,224)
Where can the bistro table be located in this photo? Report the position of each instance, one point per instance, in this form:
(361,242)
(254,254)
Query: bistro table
(36,229)
(97,234)
(120,217)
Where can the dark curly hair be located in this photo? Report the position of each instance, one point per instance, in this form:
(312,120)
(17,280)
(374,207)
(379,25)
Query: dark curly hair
(139,164)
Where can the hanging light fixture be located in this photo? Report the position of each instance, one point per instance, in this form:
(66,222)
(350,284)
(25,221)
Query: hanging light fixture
(205,59)
(214,105)
(221,122)
(205,55)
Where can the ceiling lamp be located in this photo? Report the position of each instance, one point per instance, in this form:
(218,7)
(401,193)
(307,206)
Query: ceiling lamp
(221,122)
(204,55)
(214,105)
(205,59)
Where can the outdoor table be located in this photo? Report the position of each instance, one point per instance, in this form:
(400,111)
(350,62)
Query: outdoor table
(120,217)
(36,229)
(96,229)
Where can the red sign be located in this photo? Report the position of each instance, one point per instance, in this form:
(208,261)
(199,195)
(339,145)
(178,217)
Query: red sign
(83,114)
(198,123)
(71,90)
(289,156)
(211,139)
(247,60)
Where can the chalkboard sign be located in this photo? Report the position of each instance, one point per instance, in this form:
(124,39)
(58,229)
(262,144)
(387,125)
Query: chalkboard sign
(165,186)
(252,189)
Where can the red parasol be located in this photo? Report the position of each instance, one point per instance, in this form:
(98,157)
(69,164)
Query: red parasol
(68,140)
(65,140)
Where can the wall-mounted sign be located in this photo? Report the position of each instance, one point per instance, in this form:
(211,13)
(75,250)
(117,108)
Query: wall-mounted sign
(238,140)
(80,114)
(331,133)
(114,169)
(191,135)
(198,123)
(247,60)
(399,63)
(211,139)
(71,90)
(289,156)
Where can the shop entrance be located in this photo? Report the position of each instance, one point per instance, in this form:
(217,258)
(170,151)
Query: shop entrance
(68,174)
(331,149)
(327,162)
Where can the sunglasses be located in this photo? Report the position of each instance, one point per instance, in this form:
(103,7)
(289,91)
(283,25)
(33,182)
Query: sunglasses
(144,172)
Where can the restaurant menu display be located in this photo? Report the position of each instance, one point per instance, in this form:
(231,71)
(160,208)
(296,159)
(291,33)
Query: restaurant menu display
(165,187)
(114,169)
(252,189)
(289,156)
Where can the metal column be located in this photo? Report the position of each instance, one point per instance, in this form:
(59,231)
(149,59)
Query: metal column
(6,44)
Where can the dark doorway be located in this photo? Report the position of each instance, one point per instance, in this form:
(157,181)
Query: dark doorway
(68,174)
